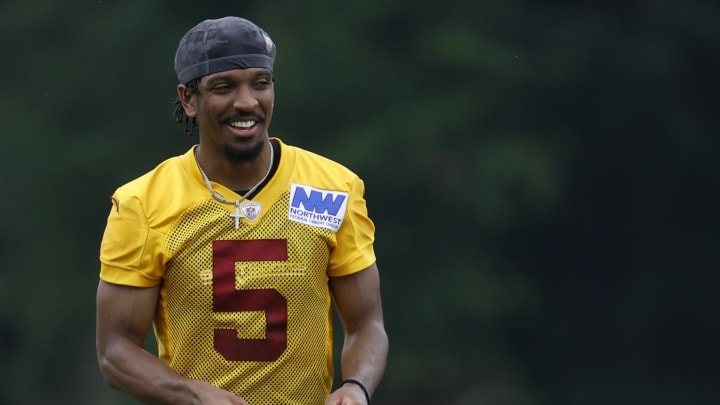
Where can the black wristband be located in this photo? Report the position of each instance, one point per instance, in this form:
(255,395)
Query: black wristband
(359,384)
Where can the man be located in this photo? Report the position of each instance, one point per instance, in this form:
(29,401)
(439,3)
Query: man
(235,251)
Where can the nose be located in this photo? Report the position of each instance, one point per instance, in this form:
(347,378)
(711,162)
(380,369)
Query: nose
(245,99)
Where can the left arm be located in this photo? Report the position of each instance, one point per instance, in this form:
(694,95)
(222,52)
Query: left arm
(365,349)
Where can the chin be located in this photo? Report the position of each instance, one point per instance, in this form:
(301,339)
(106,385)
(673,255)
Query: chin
(244,153)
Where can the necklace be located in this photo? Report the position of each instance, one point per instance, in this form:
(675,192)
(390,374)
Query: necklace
(248,210)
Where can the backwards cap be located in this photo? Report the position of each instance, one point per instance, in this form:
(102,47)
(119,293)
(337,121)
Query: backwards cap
(224,44)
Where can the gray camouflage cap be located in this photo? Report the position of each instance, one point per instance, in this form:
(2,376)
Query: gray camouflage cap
(223,44)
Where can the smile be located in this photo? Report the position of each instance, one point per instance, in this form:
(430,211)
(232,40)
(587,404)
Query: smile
(242,124)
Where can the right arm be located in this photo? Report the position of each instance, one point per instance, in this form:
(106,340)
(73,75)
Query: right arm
(124,317)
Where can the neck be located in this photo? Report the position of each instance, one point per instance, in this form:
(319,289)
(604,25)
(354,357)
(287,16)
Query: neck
(242,175)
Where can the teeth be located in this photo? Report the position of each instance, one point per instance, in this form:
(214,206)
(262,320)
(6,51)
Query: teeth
(242,124)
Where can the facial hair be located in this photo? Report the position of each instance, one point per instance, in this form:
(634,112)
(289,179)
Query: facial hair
(242,155)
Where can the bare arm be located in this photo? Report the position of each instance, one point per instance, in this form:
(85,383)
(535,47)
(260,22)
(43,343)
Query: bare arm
(365,349)
(124,317)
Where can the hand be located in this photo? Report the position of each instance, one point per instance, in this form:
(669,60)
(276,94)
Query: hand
(347,394)
(208,394)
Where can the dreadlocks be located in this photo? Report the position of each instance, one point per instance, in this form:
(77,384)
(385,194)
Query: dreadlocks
(189,124)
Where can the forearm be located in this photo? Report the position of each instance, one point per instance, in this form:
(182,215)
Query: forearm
(364,355)
(131,369)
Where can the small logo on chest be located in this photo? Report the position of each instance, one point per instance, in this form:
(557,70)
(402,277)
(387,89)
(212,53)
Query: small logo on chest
(250,210)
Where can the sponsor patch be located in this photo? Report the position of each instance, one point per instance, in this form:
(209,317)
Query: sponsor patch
(316,207)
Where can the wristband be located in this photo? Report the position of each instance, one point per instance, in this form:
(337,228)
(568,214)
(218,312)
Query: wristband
(359,384)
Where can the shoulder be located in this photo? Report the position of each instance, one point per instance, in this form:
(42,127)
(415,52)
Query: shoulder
(158,179)
(165,191)
(316,168)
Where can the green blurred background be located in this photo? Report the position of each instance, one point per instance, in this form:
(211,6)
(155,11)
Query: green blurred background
(542,176)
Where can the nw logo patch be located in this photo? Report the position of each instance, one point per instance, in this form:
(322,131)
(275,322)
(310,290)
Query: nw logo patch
(317,207)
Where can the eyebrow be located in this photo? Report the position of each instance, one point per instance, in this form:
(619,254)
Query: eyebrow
(227,77)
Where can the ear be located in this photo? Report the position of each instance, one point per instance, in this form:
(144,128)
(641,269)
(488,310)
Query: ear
(188,100)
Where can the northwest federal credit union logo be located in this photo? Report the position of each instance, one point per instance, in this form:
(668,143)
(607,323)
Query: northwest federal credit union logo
(317,207)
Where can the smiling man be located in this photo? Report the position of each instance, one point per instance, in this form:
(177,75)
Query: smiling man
(235,251)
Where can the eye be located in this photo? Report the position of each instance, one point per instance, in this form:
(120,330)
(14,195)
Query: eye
(262,84)
(221,88)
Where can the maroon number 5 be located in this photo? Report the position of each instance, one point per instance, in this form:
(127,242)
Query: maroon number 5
(226,298)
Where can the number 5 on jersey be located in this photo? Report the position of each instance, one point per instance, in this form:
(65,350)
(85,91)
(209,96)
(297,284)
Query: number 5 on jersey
(226,298)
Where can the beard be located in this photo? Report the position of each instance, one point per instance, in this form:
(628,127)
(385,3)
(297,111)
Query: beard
(244,154)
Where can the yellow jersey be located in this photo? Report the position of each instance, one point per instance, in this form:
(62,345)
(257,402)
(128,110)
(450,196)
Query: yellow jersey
(246,309)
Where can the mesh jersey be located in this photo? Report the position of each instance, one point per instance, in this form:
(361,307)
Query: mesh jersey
(248,309)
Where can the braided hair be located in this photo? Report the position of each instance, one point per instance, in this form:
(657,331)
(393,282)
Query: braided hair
(189,124)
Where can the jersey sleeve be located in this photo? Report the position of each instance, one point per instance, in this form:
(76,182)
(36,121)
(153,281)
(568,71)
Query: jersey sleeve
(355,237)
(130,252)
